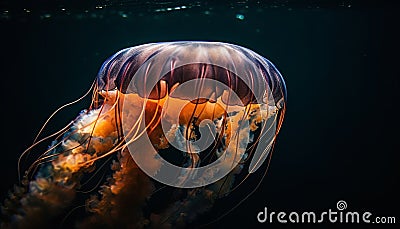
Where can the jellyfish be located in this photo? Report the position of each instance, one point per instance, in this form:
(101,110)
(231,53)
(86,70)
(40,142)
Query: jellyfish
(171,128)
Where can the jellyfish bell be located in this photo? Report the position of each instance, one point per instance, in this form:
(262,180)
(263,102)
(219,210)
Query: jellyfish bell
(171,88)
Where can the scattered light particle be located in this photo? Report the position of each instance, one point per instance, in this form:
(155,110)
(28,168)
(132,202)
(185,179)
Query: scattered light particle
(207,12)
(240,16)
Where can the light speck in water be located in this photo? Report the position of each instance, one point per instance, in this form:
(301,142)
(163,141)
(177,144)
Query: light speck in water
(240,16)
(170,9)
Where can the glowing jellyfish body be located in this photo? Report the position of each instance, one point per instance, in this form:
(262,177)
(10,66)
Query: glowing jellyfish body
(189,115)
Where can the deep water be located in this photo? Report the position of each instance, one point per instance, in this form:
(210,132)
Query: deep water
(339,140)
